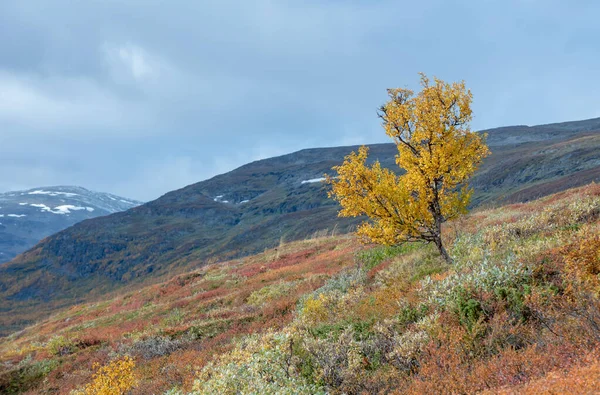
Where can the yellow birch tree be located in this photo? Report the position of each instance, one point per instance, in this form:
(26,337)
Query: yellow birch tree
(438,153)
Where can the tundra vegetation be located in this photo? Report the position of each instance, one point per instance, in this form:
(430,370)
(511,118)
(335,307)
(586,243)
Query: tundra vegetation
(517,311)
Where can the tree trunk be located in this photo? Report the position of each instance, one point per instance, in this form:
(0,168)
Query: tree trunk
(441,249)
(436,211)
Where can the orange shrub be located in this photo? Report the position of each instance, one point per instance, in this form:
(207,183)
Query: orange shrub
(582,263)
(582,379)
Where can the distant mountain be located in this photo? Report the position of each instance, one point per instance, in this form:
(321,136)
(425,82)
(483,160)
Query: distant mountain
(255,207)
(26,217)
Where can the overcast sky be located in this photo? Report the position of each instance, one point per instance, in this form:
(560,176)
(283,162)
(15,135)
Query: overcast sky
(140,97)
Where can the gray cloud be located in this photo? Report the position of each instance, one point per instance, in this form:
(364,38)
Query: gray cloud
(142,97)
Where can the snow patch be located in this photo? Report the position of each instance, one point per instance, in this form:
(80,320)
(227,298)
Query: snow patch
(244,201)
(313,180)
(16,215)
(52,193)
(23,204)
(64,209)
(219,199)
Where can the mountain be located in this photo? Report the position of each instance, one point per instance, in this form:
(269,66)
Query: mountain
(26,217)
(256,207)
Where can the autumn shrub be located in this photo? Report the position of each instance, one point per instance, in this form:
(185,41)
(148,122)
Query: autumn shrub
(260,364)
(582,263)
(174,391)
(270,293)
(340,284)
(402,348)
(314,309)
(151,347)
(545,223)
(447,369)
(485,276)
(468,248)
(60,345)
(579,380)
(565,300)
(197,332)
(336,361)
(175,317)
(361,357)
(115,378)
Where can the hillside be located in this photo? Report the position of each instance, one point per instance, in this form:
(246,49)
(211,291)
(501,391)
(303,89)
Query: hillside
(255,207)
(26,217)
(517,312)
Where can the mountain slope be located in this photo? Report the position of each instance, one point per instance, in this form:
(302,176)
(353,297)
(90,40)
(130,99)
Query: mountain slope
(26,217)
(256,206)
(329,315)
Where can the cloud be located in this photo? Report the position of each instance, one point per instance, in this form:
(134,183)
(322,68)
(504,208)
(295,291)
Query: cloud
(134,58)
(36,104)
(143,96)
(129,62)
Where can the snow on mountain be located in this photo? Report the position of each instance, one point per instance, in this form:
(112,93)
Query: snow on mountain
(29,216)
(313,180)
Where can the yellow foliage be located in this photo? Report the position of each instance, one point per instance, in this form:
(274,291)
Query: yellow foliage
(582,261)
(437,150)
(116,378)
(315,309)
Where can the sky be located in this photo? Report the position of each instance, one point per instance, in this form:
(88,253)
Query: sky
(140,97)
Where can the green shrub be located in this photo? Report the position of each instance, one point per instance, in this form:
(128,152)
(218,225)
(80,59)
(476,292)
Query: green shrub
(260,364)
(409,314)
(27,377)
(514,298)
(469,310)
(59,346)
(361,329)
(175,317)
(484,277)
